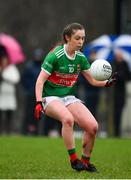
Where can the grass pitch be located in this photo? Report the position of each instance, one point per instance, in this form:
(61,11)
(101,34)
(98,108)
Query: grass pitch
(47,158)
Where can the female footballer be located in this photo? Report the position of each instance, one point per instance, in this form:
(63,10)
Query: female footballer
(55,94)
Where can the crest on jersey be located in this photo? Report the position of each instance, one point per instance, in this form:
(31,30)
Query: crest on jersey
(78,68)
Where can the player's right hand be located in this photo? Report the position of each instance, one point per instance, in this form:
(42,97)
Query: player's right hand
(38,110)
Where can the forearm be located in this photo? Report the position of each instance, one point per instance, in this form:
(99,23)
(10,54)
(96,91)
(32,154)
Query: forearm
(107,83)
(93,81)
(38,106)
(43,76)
(38,90)
(98,83)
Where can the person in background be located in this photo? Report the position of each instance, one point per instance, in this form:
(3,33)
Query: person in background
(9,77)
(119,65)
(56,89)
(51,127)
(29,76)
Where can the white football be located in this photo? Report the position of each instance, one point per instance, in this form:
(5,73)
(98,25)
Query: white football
(101,69)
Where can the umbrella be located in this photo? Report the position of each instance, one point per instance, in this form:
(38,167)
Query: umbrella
(123,44)
(13,48)
(106,45)
(103,46)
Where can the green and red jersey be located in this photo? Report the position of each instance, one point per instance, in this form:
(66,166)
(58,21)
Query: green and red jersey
(63,71)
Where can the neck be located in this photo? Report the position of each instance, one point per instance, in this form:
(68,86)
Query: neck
(69,50)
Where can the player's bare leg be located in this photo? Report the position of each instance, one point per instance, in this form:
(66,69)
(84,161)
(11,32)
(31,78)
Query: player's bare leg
(85,120)
(58,111)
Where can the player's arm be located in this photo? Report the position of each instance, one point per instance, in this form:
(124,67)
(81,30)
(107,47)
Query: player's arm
(91,80)
(39,84)
(85,70)
(47,68)
(107,83)
(38,90)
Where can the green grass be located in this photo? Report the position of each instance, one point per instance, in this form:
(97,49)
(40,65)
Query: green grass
(44,158)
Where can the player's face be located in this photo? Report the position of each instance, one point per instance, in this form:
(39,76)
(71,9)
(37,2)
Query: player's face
(77,39)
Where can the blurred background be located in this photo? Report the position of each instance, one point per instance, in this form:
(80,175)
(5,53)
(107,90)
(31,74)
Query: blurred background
(30,28)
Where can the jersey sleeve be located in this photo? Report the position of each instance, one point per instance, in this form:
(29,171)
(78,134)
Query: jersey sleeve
(85,64)
(49,63)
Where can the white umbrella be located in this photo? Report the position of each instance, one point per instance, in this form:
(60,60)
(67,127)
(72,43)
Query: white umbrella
(123,44)
(106,45)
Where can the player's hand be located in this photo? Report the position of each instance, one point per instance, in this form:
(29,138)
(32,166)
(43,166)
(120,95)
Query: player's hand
(38,110)
(112,80)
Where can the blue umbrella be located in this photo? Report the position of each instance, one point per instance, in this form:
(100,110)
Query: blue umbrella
(106,45)
(103,46)
(123,44)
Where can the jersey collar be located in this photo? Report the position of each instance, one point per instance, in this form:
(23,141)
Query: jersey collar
(71,58)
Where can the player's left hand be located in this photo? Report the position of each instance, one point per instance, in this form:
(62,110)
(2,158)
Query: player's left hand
(112,80)
(38,110)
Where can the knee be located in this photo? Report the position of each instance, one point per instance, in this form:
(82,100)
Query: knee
(93,129)
(68,120)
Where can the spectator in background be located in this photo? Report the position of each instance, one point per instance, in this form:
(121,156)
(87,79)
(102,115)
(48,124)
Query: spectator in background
(9,77)
(51,127)
(91,93)
(29,76)
(119,65)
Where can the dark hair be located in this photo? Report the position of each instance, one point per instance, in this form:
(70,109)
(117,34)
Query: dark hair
(59,43)
(69,30)
(3,51)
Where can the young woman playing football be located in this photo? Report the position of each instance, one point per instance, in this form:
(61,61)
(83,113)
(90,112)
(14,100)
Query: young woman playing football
(55,94)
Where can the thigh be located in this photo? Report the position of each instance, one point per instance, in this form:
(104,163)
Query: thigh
(82,115)
(57,110)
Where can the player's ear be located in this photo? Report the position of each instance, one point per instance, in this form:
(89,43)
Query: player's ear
(67,38)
